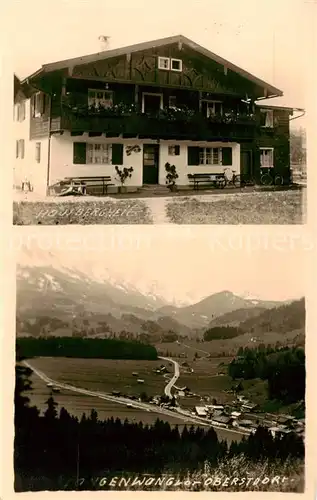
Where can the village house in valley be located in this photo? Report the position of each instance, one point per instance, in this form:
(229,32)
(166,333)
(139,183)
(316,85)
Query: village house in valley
(143,106)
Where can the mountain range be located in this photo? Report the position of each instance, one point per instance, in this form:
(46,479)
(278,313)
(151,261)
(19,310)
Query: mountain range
(64,300)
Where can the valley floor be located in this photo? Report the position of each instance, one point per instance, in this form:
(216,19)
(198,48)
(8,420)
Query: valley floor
(106,376)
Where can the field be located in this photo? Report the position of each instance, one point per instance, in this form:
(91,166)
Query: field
(273,207)
(67,370)
(224,348)
(77,404)
(188,348)
(205,381)
(105,375)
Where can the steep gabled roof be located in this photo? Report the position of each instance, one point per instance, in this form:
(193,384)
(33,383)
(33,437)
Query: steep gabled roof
(18,87)
(46,68)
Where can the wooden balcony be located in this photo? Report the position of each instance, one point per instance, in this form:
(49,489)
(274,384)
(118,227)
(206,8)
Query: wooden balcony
(181,124)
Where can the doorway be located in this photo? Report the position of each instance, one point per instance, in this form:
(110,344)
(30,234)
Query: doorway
(151,103)
(150,163)
(246,168)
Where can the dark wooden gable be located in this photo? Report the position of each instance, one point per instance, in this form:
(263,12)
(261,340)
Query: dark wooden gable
(198,71)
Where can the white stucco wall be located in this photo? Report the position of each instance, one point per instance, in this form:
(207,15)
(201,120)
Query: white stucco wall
(180,161)
(27,167)
(61,159)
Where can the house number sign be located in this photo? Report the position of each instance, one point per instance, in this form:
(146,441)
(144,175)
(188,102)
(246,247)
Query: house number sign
(133,149)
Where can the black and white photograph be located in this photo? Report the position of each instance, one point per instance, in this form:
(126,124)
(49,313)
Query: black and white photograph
(133,373)
(158,296)
(140,113)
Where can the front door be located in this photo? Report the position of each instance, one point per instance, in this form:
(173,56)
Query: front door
(246,169)
(150,163)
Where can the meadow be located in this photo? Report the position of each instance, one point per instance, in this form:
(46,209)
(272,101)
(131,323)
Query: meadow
(273,207)
(105,375)
(77,404)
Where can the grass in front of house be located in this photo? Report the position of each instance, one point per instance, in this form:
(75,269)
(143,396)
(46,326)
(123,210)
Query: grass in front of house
(276,207)
(81,212)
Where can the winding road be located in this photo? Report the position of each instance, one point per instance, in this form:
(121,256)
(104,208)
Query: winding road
(114,399)
(178,413)
(193,348)
(175,377)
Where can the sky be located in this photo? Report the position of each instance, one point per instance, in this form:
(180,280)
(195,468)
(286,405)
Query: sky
(271,39)
(182,266)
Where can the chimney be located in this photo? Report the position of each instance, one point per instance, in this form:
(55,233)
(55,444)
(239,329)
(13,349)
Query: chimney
(104,42)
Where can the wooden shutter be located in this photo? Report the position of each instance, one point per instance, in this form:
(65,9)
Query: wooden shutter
(79,153)
(227,156)
(117,154)
(22,148)
(33,105)
(38,152)
(193,155)
(22,111)
(17,148)
(177,150)
(44,104)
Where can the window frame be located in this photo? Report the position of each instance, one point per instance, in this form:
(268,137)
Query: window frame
(262,149)
(205,154)
(91,153)
(100,101)
(213,102)
(169,102)
(268,112)
(38,105)
(172,150)
(20,111)
(178,70)
(20,148)
(162,58)
(152,93)
(38,152)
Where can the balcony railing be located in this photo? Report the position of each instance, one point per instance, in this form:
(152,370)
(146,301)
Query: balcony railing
(176,123)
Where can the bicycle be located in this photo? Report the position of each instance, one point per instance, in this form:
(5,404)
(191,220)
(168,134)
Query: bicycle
(267,179)
(235,180)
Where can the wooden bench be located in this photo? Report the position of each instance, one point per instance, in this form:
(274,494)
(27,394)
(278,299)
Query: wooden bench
(217,180)
(97,181)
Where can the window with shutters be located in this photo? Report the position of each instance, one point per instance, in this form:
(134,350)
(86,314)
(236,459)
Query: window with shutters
(173,150)
(38,152)
(210,156)
(102,98)
(99,153)
(20,148)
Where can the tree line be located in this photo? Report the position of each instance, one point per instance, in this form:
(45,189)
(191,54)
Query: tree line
(283,368)
(76,347)
(222,332)
(53,449)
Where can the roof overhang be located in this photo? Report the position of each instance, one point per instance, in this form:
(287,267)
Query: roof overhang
(270,90)
(286,108)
